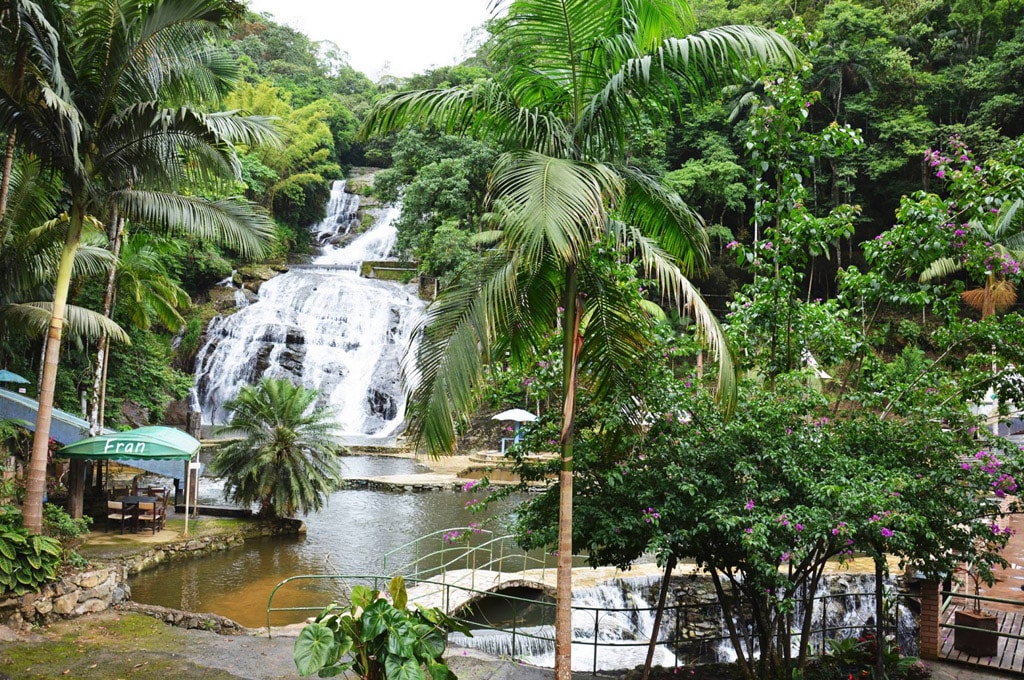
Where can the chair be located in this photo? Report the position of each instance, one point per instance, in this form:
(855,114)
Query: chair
(148,512)
(118,492)
(116,513)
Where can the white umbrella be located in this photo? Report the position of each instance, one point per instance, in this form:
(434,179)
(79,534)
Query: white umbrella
(516,414)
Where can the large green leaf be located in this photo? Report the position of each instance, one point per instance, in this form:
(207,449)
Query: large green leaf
(399,595)
(396,668)
(314,649)
(375,619)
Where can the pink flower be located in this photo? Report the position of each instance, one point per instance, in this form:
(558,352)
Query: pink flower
(749,505)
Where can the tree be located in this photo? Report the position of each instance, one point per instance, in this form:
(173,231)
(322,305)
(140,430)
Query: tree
(287,458)
(574,79)
(983,223)
(30,73)
(140,74)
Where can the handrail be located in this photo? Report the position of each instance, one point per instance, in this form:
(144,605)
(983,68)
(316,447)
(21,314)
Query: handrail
(467,555)
(518,631)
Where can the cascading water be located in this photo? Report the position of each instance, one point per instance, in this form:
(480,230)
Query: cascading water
(323,326)
(616,615)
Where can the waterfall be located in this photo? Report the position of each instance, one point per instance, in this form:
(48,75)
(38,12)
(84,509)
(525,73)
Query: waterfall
(619,617)
(323,326)
(844,607)
(615,614)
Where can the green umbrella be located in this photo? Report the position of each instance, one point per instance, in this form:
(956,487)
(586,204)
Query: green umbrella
(144,443)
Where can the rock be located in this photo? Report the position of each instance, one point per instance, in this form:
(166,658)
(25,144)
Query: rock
(65,604)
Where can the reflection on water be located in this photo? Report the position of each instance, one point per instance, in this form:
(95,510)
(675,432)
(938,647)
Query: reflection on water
(349,536)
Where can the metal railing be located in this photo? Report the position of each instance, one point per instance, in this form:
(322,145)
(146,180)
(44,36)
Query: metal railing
(481,550)
(948,597)
(463,548)
(685,647)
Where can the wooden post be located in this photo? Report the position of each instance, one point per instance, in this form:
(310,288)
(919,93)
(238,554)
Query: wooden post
(931,608)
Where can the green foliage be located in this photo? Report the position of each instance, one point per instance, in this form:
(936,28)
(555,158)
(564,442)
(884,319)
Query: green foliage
(855,657)
(58,524)
(286,457)
(142,373)
(27,560)
(377,638)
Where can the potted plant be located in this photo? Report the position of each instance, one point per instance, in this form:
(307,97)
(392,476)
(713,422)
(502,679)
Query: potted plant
(980,634)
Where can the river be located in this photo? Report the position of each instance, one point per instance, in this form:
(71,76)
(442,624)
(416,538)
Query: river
(350,535)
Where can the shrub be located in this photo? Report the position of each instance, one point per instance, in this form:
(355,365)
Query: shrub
(27,560)
(377,639)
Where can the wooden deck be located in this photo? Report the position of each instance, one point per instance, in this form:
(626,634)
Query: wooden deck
(1010,654)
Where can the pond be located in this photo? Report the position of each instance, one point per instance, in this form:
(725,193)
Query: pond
(350,535)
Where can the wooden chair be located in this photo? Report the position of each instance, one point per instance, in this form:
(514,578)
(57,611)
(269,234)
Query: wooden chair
(148,513)
(118,492)
(116,513)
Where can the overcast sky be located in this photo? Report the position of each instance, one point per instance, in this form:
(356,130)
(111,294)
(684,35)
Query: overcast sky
(385,37)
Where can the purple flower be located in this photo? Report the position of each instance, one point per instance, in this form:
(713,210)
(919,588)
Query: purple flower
(749,505)
(886,533)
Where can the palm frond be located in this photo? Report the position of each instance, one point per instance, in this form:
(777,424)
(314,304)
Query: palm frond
(711,59)
(552,203)
(940,268)
(234,222)
(663,216)
(33,318)
(681,291)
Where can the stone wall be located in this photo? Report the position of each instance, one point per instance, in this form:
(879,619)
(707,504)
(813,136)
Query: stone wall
(106,585)
(80,593)
(199,547)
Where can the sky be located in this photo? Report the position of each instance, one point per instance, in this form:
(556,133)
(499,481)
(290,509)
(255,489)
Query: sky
(385,37)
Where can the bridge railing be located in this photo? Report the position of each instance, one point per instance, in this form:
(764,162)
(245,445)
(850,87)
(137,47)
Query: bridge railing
(462,548)
(529,630)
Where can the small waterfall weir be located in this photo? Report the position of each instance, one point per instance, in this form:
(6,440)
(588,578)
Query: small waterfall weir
(324,326)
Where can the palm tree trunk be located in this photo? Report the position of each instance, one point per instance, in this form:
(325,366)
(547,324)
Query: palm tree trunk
(5,182)
(35,486)
(103,348)
(572,341)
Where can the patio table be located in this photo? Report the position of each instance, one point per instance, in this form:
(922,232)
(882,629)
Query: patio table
(131,503)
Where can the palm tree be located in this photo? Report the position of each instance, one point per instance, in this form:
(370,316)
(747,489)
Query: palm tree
(1004,237)
(147,293)
(30,72)
(29,257)
(576,74)
(140,73)
(287,458)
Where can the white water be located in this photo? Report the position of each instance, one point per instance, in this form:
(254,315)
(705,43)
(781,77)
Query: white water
(616,614)
(626,624)
(323,326)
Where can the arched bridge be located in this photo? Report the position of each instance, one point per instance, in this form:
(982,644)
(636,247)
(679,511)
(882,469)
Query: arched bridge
(453,590)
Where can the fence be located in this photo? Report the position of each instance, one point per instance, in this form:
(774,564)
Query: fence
(690,632)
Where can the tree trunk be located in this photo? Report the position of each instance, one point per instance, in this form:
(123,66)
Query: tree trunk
(879,618)
(5,183)
(652,645)
(103,348)
(35,485)
(570,359)
(76,488)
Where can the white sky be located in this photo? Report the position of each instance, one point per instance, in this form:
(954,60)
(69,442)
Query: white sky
(385,37)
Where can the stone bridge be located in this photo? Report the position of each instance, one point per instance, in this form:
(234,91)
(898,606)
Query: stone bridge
(453,590)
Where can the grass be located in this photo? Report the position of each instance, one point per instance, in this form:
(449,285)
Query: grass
(111,646)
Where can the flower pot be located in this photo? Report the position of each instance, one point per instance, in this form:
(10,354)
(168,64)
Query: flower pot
(976,642)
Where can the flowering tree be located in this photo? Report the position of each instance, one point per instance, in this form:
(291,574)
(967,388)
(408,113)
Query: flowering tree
(884,461)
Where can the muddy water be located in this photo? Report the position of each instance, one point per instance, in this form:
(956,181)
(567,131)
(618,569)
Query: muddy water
(350,536)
